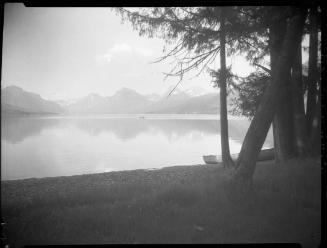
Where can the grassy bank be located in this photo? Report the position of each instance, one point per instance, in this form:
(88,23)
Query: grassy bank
(183,204)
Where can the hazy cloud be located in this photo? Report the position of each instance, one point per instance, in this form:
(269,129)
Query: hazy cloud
(145,51)
(123,48)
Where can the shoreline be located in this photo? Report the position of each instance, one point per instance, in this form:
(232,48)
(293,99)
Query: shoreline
(266,155)
(178,204)
(108,172)
(129,116)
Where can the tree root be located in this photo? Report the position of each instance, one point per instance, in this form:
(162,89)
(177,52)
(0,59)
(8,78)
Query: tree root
(228,163)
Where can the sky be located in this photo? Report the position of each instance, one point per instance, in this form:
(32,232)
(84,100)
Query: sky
(67,53)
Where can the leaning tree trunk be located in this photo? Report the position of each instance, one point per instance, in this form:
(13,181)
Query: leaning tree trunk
(282,122)
(226,158)
(300,129)
(260,124)
(313,70)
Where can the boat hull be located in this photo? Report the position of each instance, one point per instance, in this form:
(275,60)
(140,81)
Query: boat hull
(266,154)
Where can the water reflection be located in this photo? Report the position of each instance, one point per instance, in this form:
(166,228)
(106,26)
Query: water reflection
(15,130)
(40,147)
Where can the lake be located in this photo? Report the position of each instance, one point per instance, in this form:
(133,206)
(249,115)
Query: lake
(48,146)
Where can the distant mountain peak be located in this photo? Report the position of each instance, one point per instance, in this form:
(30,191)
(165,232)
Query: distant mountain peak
(17,91)
(13,87)
(18,99)
(127,92)
(172,93)
(93,96)
(196,91)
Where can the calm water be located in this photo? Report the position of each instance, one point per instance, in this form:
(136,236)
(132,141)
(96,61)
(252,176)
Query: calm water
(63,146)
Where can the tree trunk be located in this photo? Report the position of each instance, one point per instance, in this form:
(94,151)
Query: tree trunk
(300,129)
(282,122)
(260,124)
(312,70)
(226,158)
(315,136)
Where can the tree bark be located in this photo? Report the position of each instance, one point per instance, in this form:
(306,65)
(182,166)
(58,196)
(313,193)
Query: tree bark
(300,129)
(313,69)
(226,158)
(315,136)
(282,122)
(260,124)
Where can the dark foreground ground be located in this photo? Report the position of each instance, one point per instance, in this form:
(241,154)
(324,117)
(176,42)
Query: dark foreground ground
(185,204)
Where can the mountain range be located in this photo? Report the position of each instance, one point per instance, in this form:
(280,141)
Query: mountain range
(15,100)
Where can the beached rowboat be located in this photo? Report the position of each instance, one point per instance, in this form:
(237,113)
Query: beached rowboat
(266,154)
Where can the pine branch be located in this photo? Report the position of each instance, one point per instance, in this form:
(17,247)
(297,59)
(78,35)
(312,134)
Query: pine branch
(263,68)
